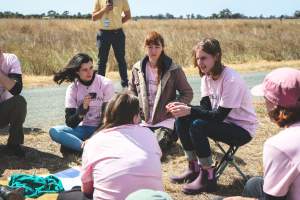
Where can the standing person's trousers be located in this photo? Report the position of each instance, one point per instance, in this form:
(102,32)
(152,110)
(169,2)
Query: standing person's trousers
(116,39)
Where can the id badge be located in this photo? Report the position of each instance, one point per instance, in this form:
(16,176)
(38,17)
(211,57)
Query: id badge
(106,23)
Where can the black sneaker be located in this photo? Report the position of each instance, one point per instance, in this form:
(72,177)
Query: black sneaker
(15,150)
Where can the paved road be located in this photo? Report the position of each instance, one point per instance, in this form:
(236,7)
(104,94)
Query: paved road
(46,105)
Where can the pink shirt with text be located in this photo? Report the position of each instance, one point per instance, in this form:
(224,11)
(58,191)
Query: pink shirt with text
(231,91)
(152,85)
(9,65)
(103,87)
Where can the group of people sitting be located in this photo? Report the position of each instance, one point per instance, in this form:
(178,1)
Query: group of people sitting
(123,136)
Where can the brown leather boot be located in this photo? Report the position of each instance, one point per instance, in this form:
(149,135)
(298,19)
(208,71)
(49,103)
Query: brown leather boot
(189,175)
(205,182)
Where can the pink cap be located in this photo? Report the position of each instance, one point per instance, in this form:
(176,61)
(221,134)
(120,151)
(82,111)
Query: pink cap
(281,87)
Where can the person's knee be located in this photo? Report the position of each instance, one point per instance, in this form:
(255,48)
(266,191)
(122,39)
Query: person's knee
(18,110)
(20,103)
(54,133)
(253,187)
(181,125)
(198,128)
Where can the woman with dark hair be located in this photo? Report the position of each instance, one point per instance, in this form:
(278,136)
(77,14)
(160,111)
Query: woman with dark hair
(122,157)
(155,80)
(225,114)
(281,154)
(85,99)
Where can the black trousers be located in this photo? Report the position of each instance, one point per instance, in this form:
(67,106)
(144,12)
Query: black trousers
(253,189)
(194,134)
(116,39)
(73,194)
(13,112)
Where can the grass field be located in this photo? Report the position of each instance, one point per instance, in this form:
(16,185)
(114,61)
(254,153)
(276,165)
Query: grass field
(44,46)
(44,157)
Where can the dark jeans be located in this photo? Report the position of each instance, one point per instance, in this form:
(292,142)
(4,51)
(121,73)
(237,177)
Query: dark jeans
(166,137)
(194,134)
(116,39)
(253,188)
(13,112)
(74,194)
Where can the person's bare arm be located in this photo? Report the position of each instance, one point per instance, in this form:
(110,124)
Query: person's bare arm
(127,16)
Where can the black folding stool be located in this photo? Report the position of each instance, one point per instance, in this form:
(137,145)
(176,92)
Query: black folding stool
(228,159)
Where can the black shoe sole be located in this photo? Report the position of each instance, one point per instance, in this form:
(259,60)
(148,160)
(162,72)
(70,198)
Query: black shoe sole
(209,189)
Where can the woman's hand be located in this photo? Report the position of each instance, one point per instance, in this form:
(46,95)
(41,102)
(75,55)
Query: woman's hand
(108,7)
(172,104)
(83,144)
(178,109)
(86,102)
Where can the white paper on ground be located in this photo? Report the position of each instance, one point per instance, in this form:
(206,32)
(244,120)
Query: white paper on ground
(69,177)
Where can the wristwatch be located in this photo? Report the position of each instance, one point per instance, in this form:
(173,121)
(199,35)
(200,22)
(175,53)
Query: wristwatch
(81,116)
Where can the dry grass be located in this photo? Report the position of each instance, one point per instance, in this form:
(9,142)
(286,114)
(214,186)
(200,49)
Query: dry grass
(44,157)
(46,45)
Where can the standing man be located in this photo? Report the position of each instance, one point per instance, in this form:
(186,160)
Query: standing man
(13,107)
(112,14)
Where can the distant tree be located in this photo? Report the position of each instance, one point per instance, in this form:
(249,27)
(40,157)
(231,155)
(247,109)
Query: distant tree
(51,13)
(199,16)
(169,16)
(65,14)
(238,16)
(225,13)
(160,16)
(272,17)
(297,14)
(214,16)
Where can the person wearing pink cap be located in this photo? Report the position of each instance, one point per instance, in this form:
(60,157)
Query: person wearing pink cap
(281,154)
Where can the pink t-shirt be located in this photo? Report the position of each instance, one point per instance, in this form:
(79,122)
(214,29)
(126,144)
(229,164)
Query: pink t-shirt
(152,85)
(9,65)
(103,87)
(122,160)
(281,158)
(231,91)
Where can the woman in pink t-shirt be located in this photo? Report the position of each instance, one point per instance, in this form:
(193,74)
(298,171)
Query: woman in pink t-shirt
(281,155)
(85,100)
(225,114)
(123,156)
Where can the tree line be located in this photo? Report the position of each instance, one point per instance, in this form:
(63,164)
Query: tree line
(223,14)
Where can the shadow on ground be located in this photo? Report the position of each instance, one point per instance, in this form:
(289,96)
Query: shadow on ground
(35,159)
(27,130)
